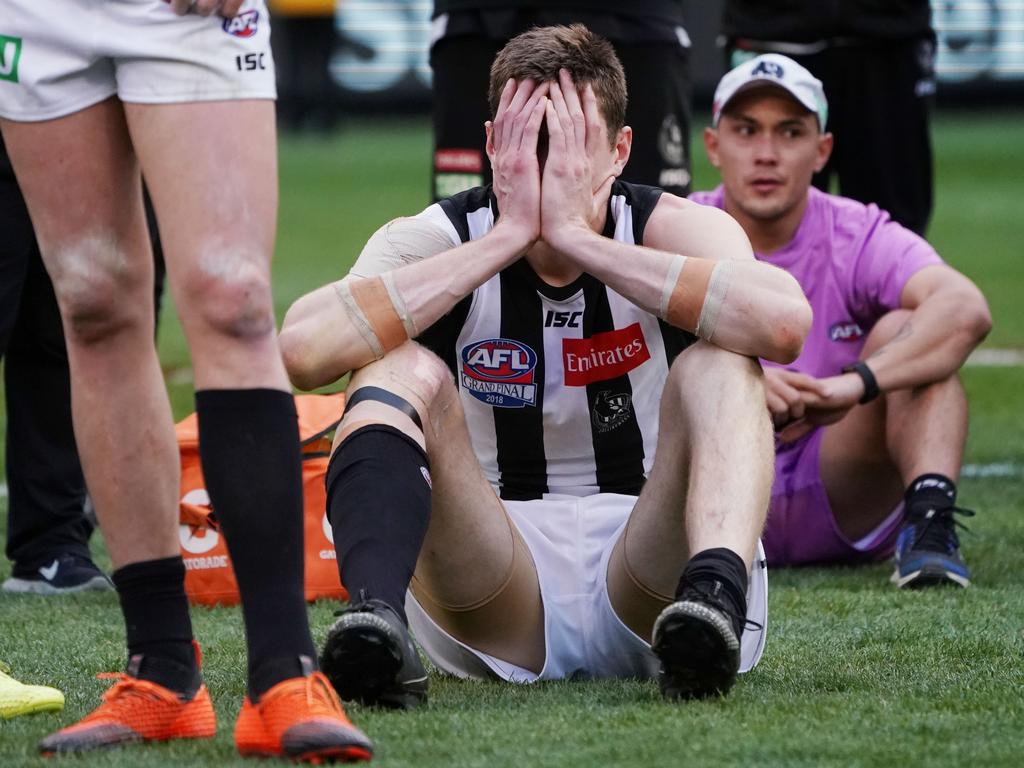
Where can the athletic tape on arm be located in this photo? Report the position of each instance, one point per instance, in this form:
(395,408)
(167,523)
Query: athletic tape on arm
(368,303)
(693,294)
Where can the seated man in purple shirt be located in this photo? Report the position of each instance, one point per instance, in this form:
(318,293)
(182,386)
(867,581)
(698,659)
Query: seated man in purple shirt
(871,419)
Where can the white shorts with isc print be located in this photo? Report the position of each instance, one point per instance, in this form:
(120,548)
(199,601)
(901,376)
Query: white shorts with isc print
(571,540)
(60,56)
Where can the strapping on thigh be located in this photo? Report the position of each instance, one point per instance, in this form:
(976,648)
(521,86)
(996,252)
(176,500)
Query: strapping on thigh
(507,623)
(636,603)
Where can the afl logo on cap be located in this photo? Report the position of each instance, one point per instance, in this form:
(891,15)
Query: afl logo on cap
(767,68)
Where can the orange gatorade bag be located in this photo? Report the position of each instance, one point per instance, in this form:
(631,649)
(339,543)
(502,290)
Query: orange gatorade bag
(209,577)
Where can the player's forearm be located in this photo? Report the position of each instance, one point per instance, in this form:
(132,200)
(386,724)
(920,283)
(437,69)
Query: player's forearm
(933,343)
(757,309)
(352,322)
(431,288)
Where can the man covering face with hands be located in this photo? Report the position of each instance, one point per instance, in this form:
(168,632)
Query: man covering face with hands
(556,455)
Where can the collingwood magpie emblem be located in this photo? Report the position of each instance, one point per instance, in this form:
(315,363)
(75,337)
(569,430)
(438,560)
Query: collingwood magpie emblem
(610,411)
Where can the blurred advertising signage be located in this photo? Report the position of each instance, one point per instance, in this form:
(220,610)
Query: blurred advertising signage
(979,40)
(383,46)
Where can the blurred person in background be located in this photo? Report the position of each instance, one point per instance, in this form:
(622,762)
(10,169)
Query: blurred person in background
(48,529)
(876,61)
(649,39)
(303,41)
(871,418)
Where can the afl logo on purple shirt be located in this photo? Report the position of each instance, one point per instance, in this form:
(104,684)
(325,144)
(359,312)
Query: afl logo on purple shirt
(243,25)
(848,331)
(500,372)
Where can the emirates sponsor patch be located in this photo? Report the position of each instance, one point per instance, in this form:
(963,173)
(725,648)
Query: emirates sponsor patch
(604,356)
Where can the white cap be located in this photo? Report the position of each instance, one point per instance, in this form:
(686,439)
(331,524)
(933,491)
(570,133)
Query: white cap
(779,71)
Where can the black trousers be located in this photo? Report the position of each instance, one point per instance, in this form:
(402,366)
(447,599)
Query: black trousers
(879,99)
(302,47)
(657,79)
(46,489)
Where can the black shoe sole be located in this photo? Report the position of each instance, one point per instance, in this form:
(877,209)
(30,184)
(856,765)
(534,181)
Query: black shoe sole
(362,658)
(698,649)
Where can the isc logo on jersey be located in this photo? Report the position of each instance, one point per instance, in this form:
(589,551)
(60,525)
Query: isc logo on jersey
(243,25)
(500,372)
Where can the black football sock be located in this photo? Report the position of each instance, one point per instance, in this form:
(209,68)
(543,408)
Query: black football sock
(929,491)
(723,574)
(249,447)
(378,501)
(157,624)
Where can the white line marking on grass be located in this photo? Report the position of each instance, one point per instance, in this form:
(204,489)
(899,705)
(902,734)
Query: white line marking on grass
(998,469)
(996,358)
(3,490)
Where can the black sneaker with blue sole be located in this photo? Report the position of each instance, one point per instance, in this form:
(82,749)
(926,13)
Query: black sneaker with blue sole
(928,551)
(369,657)
(64,574)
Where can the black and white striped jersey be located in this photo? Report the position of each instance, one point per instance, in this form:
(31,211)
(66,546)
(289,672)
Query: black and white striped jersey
(561,386)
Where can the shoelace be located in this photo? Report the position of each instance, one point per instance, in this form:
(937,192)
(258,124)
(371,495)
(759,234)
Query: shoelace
(720,605)
(319,696)
(123,695)
(363,605)
(936,529)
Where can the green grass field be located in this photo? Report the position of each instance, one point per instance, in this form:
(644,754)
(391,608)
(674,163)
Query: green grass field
(855,673)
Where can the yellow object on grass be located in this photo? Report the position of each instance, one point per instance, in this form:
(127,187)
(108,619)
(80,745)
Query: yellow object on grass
(20,699)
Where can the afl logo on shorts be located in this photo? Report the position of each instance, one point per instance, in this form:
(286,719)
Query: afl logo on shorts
(243,25)
(847,331)
(500,372)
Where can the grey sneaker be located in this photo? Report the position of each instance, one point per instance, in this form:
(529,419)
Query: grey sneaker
(369,657)
(697,639)
(63,575)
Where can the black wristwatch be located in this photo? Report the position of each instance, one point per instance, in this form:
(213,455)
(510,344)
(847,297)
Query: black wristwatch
(871,390)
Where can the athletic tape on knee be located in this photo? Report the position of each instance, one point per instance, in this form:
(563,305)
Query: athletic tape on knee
(368,302)
(379,395)
(693,293)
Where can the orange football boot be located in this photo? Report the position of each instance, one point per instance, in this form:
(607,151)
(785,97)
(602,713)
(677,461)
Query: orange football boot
(136,710)
(301,718)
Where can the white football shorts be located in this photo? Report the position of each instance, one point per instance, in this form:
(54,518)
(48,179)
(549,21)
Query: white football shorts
(60,56)
(571,540)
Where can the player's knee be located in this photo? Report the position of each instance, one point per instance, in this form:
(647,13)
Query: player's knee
(101,290)
(229,299)
(414,368)
(704,366)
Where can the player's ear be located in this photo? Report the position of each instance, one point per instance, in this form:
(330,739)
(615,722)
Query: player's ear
(711,145)
(489,144)
(825,142)
(623,146)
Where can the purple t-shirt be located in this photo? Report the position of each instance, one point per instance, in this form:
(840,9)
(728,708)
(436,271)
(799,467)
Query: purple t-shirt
(852,261)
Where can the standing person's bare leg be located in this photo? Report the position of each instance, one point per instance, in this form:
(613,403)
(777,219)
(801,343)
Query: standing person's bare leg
(218,215)
(81,182)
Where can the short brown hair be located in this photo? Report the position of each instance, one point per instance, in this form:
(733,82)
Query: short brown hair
(539,53)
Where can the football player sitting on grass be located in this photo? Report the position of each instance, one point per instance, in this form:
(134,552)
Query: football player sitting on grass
(871,419)
(556,457)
